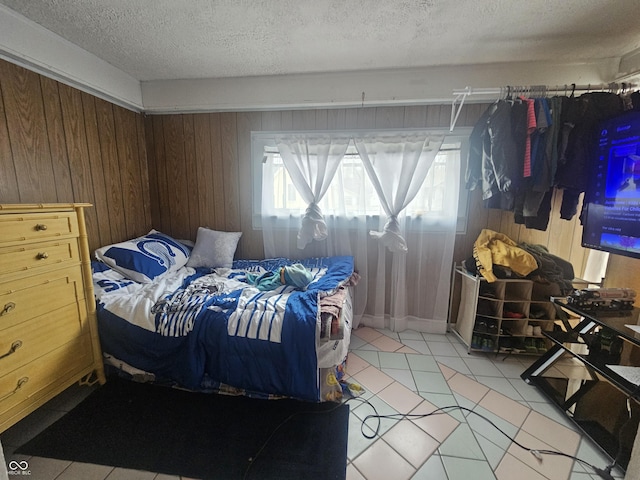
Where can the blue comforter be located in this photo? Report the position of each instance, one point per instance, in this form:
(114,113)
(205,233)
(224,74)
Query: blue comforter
(203,329)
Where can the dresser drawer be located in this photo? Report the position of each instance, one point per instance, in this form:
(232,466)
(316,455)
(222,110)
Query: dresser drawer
(27,341)
(17,228)
(29,257)
(30,297)
(32,381)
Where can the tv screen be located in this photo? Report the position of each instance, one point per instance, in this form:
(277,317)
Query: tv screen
(611,220)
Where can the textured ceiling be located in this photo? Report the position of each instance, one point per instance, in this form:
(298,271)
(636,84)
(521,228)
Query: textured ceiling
(179,39)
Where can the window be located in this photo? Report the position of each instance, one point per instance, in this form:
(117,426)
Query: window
(351,193)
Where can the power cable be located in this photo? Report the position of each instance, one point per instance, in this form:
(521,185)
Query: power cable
(604,473)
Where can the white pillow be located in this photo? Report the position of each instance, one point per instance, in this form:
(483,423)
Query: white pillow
(144,258)
(214,249)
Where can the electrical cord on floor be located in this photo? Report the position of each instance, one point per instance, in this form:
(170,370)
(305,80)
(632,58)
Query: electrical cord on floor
(604,473)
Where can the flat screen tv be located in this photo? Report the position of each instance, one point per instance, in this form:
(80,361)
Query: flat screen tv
(611,220)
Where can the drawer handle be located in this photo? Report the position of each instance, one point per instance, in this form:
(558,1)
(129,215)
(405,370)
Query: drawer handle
(40,227)
(19,385)
(14,346)
(7,308)
(42,255)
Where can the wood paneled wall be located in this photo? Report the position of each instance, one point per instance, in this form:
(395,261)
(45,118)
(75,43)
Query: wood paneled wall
(177,172)
(200,164)
(200,172)
(58,144)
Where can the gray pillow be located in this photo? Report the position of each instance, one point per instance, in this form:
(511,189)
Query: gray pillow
(214,249)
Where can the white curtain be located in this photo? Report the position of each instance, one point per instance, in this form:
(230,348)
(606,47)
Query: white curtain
(396,290)
(397,165)
(312,161)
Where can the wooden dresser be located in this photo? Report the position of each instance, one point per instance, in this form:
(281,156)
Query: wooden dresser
(48,331)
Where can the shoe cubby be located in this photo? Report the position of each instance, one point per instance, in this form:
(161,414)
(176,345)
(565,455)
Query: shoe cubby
(505,316)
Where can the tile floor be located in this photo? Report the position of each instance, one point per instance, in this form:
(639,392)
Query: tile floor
(403,373)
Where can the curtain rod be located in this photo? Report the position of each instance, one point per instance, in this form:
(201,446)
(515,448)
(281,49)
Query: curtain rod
(461,94)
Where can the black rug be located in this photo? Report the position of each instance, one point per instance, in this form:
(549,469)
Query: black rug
(208,436)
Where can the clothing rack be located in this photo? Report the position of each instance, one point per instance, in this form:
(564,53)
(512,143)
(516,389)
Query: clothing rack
(460,95)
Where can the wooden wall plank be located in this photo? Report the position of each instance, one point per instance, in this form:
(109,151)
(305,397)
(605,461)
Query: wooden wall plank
(97,170)
(176,175)
(389,117)
(191,175)
(27,130)
(304,119)
(153,172)
(111,169)
(336,119)
(57,141)
(78,154)
(322,119)
(160,156)
(130,181)
(271,120)
(415,116)
(144,172)
(351,118)
(433,116)
(229,143)
(217,150)
(366,117)
(8,180)
(204,169)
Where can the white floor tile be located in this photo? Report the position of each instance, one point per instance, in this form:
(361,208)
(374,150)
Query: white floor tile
(370,356)
(462,443)
(422,363)
(432,382)
(405,377)
(442,349)
(85,471)
(465,469)
(393,360)
(500,384)
(433,469)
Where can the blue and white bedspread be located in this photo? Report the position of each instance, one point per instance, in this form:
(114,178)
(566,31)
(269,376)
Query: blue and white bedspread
(200,328)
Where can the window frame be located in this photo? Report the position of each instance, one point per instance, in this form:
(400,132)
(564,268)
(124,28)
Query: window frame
(262,139)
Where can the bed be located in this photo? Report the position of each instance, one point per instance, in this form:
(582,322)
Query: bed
(194,317)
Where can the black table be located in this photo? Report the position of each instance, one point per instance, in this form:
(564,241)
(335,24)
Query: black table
(592,373)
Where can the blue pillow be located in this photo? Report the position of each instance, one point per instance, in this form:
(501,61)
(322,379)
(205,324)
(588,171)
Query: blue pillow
(145,258)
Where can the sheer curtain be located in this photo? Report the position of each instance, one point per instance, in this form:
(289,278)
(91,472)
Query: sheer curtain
(396,290)
(397,165)
(312,161)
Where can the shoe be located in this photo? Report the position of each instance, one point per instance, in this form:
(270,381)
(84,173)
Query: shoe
(476,341)
(537,331)
(513,315)
(540,345)
(492,326)
(488,344)
(517,345)
(529,331)
(530,345)
(481,326)
(537,313)
(505,345)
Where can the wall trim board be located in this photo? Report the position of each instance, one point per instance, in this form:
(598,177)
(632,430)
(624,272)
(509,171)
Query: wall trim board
(35,48)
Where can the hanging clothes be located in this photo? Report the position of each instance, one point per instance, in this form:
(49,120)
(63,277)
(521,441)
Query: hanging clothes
(494,168)
(584,113)
(523,150)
